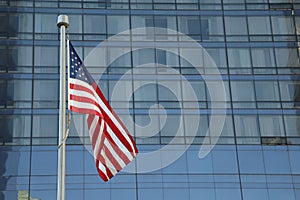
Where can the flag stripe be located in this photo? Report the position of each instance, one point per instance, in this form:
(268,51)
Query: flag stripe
(100,94)
(113,147)
(106,110)
(110,118)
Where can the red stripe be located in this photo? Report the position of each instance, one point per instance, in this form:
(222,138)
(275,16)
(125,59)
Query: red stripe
(118,133)
(117,149)
(108,172)
(81,88)
(101,174)
(107,118)
(85,111)
(112,158)
(83,99)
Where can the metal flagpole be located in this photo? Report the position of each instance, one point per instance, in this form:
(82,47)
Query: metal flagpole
(62,23)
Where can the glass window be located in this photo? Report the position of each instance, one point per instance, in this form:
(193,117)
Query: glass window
(246,125)
(225,193)
(215,24)
(15,162)
(251,162)
(267,91)
(224,161)
(239,57)
(20,58)
(197,165)
(20,90)
(117,24)
(242,91)
(44,23)
(263,57)
(150,194)
(120,90)
(278,194)
(94,24)
(145,92)
(46,93)
(192,90)
(45,126)
(287,57)
(120,193)
(143,57)
(47,57)
(20,23)
(236,25)
(282,25)
(45,156)
(295,162)
(189,25)
(292,125)
(17,126)
(218,55)
(257,194)
(276,161)
(271,125)
(259,25)
(289,91)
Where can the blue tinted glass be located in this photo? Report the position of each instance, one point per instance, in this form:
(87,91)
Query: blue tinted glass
(121,193)
(171,194)
(225,194)
(251,162)
(276,162)
(179,166)
(279,194)
(295,161)
(200,193)
(74,158)
(45,157)
(150,194)
(14,160)
(197,165)
(224,161)
(257,194)
(93,193)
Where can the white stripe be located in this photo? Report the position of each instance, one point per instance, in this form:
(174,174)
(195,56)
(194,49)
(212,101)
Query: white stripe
(108,164)
(119,143)
(84,105)
(98,141)
(93,125)
(106,110)
(114,154)
(83,94)
(102,168)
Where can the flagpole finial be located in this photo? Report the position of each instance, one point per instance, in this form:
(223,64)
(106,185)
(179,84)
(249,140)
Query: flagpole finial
(63,20)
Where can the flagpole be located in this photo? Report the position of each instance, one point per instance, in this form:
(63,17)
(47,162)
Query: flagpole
(63,24)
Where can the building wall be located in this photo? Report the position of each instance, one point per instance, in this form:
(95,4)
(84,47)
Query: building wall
(254,44)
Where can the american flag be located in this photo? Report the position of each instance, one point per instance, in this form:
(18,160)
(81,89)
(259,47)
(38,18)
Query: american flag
(113,147)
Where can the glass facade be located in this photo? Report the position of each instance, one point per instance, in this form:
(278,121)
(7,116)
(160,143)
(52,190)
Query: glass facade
(255,46)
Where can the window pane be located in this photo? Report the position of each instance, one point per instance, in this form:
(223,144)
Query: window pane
(242,91)
(43,23)
(236,25)
(94,24)
(239,57)
(246,125)
(292,123)
(45,125)
(117,24)
(259,25)
(271,125)
(267,91)
(263,57)
(282,25)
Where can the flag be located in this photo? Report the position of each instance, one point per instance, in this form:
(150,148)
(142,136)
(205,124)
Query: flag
(113,146)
